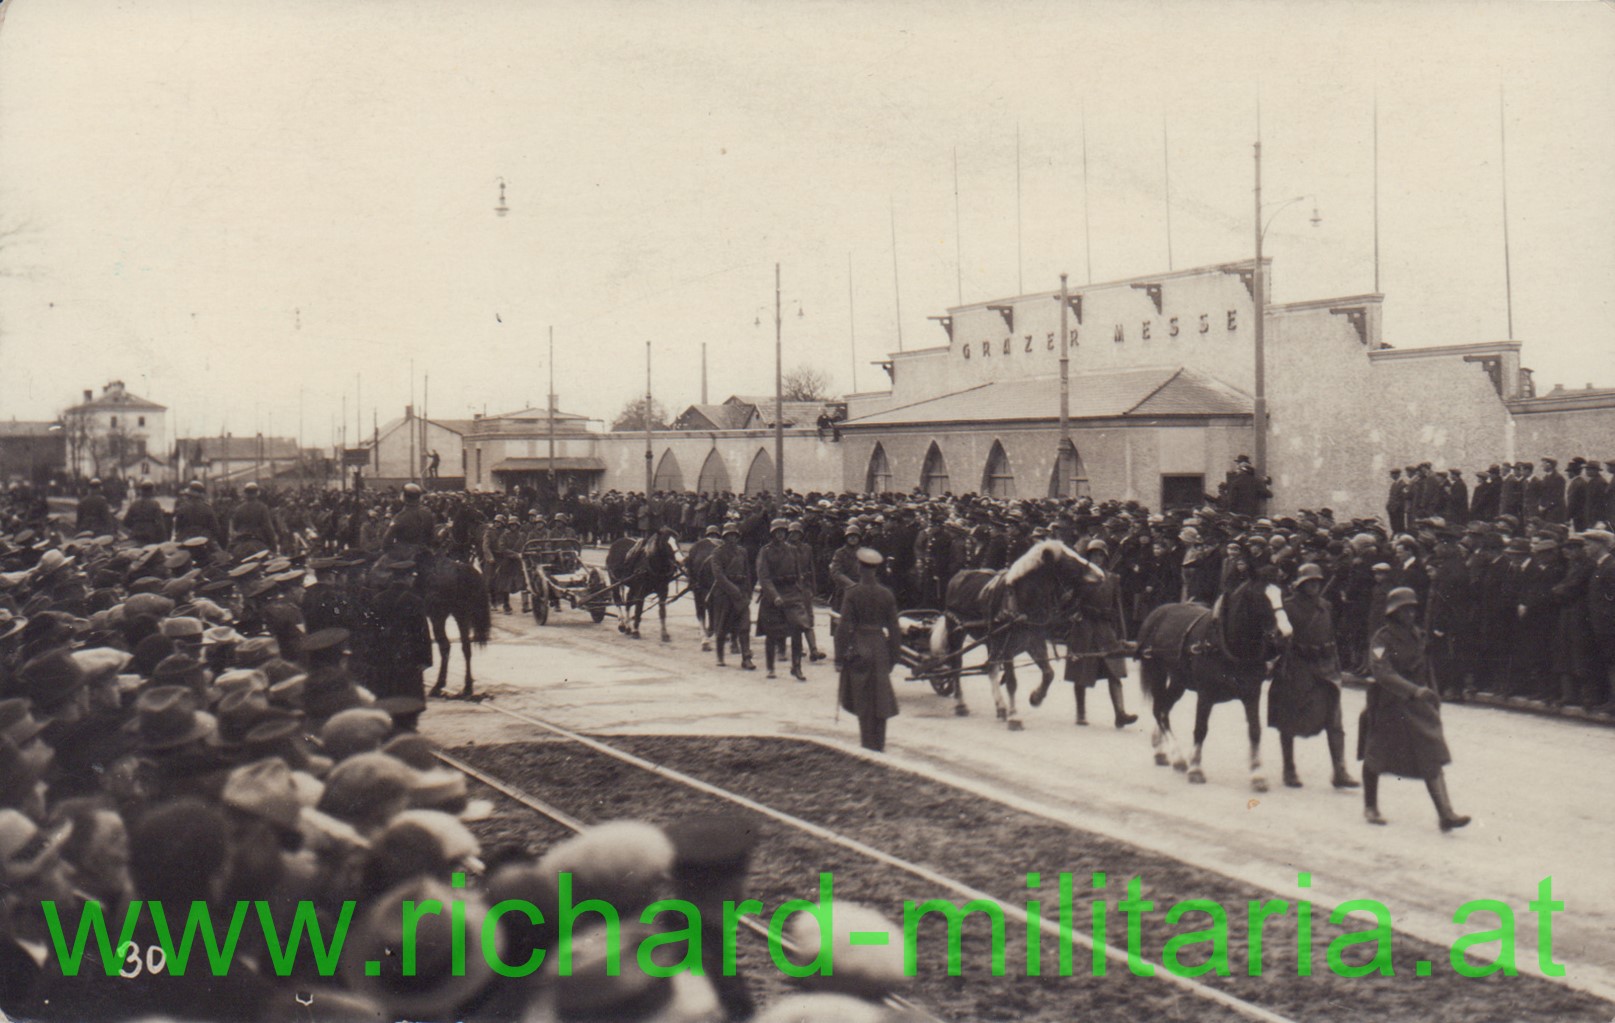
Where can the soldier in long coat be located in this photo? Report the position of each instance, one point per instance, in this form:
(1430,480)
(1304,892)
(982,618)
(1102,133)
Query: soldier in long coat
(729,601)
(780,615)
(1097,629)
(402,648)
(796,539)
(1305,696)
(1400,731)
(868,641)
(145,519)
(844,566)
(193,516)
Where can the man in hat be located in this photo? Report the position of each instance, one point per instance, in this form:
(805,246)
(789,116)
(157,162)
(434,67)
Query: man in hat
(844,565)
(1576,493)
(1550,493)
(711,859)
(94,512)
(1305,696)
(796,539)
(1396,502)
(729,602)
(1596,497)
(1457,510)
(401,640)
(1400,731)
(1537,609)
(1511,492)
(1601,617)
(1245,493)
(252,527)
(868,642)
(145,520)
(414,527)
(194,516)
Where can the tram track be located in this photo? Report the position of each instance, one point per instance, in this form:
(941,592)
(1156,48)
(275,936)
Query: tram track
(934,879)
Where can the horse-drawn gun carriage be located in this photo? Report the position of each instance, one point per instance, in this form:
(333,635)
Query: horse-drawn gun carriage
(555,573)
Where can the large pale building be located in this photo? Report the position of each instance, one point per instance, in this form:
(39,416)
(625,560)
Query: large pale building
(117,433)
(1162,371)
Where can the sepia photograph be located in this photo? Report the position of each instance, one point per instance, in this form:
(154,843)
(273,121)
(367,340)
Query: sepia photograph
(617,511)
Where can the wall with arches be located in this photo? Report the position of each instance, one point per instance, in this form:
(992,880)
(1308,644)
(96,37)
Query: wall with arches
(1125,461)
(810,463)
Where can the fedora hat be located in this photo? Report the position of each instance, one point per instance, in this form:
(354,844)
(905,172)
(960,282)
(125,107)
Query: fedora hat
(166,716)
(50,679)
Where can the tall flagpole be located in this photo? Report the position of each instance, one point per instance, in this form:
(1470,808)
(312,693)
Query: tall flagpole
(852,327)
(1376,194)
(779,399)
(958,235)
(554,493)
(1166,178)
(1502,145)
(897,292)
(1020,259)
(1087,235)
(649,470)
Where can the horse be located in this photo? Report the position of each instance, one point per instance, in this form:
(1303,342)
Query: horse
(1011,611)
(453,589)
(1220,655)
(639,568)
(696,565)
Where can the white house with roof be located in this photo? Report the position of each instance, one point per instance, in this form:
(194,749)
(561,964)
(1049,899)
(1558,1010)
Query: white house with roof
(117,433)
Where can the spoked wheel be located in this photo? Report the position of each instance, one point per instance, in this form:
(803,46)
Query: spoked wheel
(541,605)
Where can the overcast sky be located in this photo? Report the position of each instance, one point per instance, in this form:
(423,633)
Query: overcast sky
(239,209)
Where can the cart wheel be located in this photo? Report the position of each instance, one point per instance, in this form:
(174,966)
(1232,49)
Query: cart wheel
(598,614)
(541,608)
(943,685)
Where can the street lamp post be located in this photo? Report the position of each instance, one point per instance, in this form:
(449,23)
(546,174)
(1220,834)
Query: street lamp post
(779,400)
(1259,294)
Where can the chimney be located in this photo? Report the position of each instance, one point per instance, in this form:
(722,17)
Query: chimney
(89,395)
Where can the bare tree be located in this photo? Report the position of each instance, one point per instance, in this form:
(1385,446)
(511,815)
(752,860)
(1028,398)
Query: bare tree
(804,383)
(632,416)
(78,431)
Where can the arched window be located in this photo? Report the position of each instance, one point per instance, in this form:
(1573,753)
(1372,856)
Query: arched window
(668,474)
(934,473)
(1070,477)
(760,476)
(878,478)
(998,479)
(714,475)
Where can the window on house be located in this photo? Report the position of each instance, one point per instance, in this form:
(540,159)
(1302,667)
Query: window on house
(141,421)
(1182,491)
(114,422)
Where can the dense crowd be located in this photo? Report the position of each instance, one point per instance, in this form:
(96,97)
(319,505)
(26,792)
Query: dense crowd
(219,702)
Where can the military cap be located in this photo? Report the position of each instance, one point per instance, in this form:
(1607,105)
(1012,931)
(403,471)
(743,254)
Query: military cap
(712,530)
(779,524)
(1309,572)
(324,639)
(869,556)
(1401,597)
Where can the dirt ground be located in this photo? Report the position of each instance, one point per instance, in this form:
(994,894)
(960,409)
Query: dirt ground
(992,846)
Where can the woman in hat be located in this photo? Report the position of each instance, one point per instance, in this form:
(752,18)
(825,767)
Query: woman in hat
(1400,731)
(868,641)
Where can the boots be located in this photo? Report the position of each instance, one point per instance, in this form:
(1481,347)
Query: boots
(1123,719)
(1371,812)
(1438,795)
(1337,754)
(1082,704)
(1292,779)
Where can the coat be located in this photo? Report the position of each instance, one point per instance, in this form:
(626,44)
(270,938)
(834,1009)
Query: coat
(780,610)
(1097,628)
(1305,696)
(868,641)
(729,600)
(1400,730)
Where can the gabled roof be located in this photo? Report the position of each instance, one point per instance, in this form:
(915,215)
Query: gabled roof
(236,449)
(114,397)
(728,416)
(537,413)
(1098,394)
(794,413)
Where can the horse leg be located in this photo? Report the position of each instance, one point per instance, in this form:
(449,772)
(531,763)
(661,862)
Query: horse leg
(1253,723)
(703,618)
(1202,721)
(1040,656)
(1009,682)
(440,634)
(955,664)
(465,652)
(661,613)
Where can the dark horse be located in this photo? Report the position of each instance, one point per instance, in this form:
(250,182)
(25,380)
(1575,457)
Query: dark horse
(639,568)
(1011,612)
(696,566)
(1220,656)
(453,589)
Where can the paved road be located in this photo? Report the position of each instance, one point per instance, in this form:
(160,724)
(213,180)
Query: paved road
(1539,788)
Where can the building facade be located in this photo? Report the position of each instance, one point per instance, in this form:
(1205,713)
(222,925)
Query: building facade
(1161,376)
(117,433)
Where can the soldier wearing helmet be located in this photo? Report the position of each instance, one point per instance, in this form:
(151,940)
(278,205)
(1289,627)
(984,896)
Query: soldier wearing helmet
(414,526)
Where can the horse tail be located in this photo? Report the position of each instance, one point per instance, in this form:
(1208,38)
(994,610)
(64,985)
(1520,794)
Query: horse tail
(939,636)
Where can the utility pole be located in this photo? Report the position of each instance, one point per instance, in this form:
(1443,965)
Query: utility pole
(649,470)
(1062,461)
(554,493)
(852,327)
(779,398)
(1502,146)
(1259,293)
